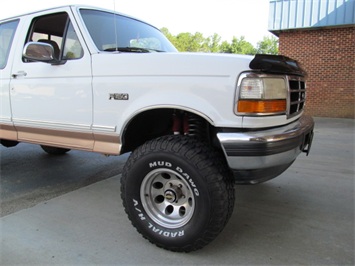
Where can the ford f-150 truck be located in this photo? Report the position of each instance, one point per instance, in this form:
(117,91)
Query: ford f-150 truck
(195,124)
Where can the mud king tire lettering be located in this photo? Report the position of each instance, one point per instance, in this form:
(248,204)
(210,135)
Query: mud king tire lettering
(177,192)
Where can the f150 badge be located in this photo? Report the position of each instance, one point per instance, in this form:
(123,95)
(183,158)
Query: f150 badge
(119,96)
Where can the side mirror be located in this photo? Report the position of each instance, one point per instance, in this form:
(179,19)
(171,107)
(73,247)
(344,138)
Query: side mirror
(41,52)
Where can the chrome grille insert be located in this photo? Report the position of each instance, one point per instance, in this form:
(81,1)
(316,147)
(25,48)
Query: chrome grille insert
(296,95)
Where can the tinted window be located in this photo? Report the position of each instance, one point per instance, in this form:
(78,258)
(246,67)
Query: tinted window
(72,47)
(109,31)
(7,32)
(57,30)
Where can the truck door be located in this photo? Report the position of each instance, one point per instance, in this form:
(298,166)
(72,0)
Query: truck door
(52,104)
(7,33)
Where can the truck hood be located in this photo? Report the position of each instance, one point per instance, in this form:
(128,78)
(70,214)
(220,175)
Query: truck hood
(169,64)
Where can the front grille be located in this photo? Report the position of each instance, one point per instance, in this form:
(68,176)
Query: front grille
(297,95)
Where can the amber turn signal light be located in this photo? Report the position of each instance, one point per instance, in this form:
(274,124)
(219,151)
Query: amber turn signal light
(265,106)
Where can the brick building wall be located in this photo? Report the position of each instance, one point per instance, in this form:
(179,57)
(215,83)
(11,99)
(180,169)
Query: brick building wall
(328,55)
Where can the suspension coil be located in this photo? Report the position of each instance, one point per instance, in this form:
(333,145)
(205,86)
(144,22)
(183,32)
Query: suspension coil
(190,124)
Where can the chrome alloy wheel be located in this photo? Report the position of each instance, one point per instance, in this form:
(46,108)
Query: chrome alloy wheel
(167,198)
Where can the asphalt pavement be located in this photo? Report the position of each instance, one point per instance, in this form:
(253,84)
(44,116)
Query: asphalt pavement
(30,176)
(303,217)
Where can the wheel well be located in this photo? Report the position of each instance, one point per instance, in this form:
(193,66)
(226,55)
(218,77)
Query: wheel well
(155,123)
(8,143)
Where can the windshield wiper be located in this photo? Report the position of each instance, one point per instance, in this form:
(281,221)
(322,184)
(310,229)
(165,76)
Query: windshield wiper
(130,50)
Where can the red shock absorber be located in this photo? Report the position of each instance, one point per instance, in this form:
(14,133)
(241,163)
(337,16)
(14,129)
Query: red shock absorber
(176,124)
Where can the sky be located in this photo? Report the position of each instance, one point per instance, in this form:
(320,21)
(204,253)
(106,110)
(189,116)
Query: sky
(227,18)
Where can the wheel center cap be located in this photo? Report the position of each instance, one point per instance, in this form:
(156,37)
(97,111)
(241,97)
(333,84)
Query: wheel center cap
(170,195)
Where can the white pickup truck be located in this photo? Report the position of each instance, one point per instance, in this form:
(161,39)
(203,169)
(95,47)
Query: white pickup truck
(77,77)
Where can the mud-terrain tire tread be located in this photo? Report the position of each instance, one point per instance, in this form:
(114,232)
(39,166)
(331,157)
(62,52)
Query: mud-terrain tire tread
(215,172)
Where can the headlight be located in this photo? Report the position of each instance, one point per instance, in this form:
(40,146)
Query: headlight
(261,95)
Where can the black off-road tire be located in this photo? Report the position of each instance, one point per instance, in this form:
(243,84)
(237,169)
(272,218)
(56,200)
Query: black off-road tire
(54,150)
(177,192)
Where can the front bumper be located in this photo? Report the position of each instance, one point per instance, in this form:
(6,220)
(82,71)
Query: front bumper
(265,154)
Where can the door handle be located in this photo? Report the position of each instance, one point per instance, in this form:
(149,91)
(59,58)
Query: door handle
(19,74)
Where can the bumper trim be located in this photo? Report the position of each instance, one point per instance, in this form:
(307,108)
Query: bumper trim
(262,148)
(267,148)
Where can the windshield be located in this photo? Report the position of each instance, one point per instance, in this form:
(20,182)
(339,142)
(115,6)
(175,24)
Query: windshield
(113,32)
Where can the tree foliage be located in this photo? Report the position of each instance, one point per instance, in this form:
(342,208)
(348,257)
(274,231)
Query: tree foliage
(238,46)
(188,42)
(269,45)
